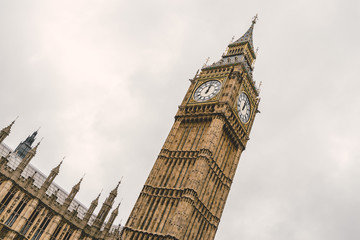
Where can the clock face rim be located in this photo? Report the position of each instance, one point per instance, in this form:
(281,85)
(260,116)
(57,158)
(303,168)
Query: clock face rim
(244,117)
(202,87)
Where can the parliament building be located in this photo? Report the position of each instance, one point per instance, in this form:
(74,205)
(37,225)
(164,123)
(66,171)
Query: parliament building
(185,193)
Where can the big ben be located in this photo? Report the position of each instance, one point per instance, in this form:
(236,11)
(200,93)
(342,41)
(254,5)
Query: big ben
(186,191)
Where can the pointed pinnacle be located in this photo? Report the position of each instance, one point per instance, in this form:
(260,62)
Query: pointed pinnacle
(96,200)
(57,168)
(8,128)
(116,210)
(99,195)
(34,149)
(12,123)
(77,186)
(37,145)
(117,186)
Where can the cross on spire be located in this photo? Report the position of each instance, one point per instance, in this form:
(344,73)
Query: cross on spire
(255,18)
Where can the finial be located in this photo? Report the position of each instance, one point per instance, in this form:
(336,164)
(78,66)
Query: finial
(260,86)
(255,18)
(58,166)
(37,145)
(14,120)
(232,39)
(100,194)
(257,50)
(38,129)
(206,62)
(80,180)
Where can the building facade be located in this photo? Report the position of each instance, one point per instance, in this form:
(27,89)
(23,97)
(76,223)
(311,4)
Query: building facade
(33,207)
(185,193)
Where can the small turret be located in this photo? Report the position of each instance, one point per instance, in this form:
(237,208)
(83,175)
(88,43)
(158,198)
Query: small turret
(91,209)
(54,172)
(112,218)
(26,160)
(75,189)
(6,131)
(105,208)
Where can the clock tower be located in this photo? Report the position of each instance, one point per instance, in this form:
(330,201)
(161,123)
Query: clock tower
(185,193)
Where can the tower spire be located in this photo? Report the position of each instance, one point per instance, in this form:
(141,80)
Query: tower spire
(111,220)
(248,35)
(25,146)
(105,208)
(54,172)
(6,131)
(92,207)
(239,52)
(75,189)
(26,160)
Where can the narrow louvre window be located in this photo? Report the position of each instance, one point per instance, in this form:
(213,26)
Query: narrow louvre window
(7,199)
(42,227)
(57,231)
(68,234)
(30,221)
(19,208)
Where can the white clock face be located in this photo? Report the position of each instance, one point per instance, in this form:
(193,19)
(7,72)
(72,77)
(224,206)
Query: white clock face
(244,108)
(207,90)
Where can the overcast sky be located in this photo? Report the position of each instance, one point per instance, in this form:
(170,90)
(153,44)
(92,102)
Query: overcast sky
(103,80)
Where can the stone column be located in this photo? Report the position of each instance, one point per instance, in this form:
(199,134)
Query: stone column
(25,214)
(51,227)
(76,235)
(4,188)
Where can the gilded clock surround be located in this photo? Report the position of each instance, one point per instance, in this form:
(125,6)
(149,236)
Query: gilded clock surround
(212,89)
(201,82)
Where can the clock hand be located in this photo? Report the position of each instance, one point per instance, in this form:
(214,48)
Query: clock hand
(207,90)
(243,107)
